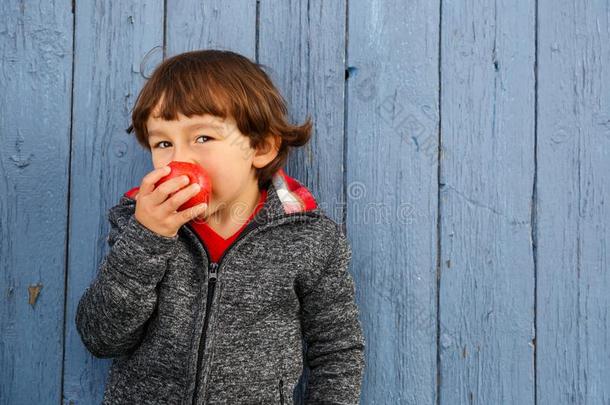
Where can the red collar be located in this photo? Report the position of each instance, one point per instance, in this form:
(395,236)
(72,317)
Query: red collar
(215,243)
(204,227)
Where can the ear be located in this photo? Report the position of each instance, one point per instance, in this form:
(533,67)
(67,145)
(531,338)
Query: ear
(265,153)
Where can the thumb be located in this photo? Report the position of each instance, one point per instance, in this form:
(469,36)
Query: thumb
(200,215)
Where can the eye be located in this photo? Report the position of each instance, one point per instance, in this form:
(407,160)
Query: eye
(159,143)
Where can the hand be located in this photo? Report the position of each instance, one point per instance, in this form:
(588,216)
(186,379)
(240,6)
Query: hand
(156,210)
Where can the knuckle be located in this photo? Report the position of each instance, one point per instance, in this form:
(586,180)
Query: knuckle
(167,187)
(163,189)
(182,195)
(176,183)
(186,193)
(176,201)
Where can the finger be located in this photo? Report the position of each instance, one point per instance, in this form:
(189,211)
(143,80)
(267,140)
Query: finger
(168,188)
(182,196)
(190,213)
(149,181)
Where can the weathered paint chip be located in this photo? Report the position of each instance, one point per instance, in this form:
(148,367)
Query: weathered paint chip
(33,291)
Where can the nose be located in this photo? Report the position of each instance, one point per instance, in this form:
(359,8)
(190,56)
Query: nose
(185,161)
(184,155)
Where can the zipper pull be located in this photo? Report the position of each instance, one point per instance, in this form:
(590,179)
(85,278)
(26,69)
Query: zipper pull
(213,269)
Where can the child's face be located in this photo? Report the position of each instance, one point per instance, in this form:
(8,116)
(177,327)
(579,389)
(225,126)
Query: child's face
(215,144)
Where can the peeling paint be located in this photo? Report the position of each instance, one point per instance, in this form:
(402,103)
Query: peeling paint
(33,291)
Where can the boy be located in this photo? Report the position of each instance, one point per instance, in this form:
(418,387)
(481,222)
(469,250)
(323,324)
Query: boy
(210,304)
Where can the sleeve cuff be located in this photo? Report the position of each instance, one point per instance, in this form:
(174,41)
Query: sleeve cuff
(141,254)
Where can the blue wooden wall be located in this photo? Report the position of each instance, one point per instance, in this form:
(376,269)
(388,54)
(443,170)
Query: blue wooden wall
(464,145)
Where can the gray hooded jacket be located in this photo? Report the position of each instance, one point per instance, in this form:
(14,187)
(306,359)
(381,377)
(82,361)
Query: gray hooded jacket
(185,331)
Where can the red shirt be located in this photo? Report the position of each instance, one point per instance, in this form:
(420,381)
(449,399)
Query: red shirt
(215,243)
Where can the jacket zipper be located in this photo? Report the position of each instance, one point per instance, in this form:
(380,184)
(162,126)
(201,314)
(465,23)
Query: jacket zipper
(213,275)
(212,271)
(281,392)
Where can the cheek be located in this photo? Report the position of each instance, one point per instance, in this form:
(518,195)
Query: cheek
(157,161)
(220,173)
(227,168)
(223,179)
(238,148)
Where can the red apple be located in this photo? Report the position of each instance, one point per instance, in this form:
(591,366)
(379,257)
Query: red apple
(196,174)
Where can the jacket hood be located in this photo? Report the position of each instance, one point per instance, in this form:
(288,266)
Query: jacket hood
(285,195)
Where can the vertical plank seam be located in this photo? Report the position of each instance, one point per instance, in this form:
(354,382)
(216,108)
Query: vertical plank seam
(257,31)
(309,104)
(438,207)
(534,203)
(164,29)
(67,240)
(345,118)
(579,389)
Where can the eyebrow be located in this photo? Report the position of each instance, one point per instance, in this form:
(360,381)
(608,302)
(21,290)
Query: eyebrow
(191,127)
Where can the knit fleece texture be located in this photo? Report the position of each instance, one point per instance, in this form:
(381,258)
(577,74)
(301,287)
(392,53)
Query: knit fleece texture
(285,278)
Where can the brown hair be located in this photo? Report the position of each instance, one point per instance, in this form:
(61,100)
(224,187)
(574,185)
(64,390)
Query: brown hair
(221,83)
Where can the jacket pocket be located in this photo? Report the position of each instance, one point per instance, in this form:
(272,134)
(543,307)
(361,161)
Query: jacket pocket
(281,388)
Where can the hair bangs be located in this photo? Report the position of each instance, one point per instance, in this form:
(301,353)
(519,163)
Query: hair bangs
(177,91)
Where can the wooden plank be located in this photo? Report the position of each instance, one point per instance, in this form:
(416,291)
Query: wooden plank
(117,46)
(302,45)
(391,183)
(229,25)
(35,82)
(573,323)
(487,173)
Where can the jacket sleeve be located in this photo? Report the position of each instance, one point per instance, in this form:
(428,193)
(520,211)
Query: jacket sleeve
(333,332)
(112,313)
